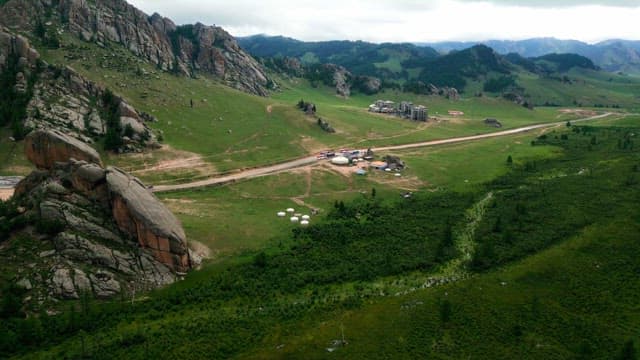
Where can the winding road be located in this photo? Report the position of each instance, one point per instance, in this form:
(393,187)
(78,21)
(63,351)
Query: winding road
(309,160)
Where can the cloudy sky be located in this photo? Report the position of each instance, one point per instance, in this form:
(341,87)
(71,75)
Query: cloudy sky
(410,20)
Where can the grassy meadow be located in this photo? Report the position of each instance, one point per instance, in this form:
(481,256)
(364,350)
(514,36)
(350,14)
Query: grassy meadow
(563,290)
(227,130)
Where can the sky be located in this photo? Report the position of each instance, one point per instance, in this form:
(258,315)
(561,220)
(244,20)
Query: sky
(410,20)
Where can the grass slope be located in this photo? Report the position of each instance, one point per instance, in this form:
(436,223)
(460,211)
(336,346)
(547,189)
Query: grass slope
(564,289)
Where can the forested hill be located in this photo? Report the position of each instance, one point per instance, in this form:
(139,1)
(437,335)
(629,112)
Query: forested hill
(455,68)
(361,58)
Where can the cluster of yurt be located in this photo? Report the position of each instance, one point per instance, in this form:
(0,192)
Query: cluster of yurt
(303,220)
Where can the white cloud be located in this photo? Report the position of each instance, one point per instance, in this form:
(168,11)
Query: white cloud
(410,20)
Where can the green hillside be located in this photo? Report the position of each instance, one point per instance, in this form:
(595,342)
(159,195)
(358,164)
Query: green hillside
(520,246)
(561,290)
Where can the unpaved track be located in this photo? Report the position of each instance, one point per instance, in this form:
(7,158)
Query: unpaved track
(309,160)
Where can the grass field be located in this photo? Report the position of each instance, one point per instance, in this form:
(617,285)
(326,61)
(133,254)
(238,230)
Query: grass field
(12,158)
(231,130)
(562,290)
(588,88)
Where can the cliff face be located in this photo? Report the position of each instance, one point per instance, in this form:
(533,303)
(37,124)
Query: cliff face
(186,49)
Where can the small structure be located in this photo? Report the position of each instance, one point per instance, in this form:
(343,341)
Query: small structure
(361,172)
(379,165)
(493,122)
(340,161)
(394,162)
(295,219)
(306,217)
(455,113)
(291,210)
(304,223)
(419,113)
(282,214)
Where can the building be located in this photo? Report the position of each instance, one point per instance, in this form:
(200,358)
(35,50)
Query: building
(419,113)
(405,108)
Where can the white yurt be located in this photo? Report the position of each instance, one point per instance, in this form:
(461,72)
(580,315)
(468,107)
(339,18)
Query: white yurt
(306,217)
(304,223)
(398,175)
(282,214)
(295,219)
(340,160)
(291,210)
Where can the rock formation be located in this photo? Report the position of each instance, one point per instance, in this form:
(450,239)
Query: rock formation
(186,49)
(107,231)
(62,99)
(45,148)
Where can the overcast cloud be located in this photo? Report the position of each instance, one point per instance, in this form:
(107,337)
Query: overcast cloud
(410,20)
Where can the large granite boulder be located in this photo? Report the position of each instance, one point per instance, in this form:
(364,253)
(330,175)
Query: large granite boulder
(138,212)
(108,231)
(46,147)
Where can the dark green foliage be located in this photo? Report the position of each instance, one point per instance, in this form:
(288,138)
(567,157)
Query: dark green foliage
(445,311)
(11,301)
(628,351)
(109,110)
(453,69)
(509,160)
(13,104)
(128,131)
(499,84)
(564,62)
(325,126)
(48,227)
(565,204)
(260,260)
(10,218)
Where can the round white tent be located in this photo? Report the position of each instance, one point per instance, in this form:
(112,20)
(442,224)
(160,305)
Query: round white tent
(340,160)
(282,214)
(290,210)
(306,217)
(304,223)
(295,219)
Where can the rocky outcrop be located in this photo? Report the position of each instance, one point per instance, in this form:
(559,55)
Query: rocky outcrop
(186,49)
(138,212)
(45,148)
(62,99)
(341,81)
(367,84)
(107,230)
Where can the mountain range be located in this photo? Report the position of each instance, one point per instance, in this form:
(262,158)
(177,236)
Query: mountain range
(611,55)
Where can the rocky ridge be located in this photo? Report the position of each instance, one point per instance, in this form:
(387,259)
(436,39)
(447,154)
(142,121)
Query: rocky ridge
(98,230)
(64,100)
(186,49)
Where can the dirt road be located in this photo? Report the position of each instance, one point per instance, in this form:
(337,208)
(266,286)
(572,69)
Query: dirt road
(278,168)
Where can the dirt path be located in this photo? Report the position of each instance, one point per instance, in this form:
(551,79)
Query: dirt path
(278,168)
(5,194)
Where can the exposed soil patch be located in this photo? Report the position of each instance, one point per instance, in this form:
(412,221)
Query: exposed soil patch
(578,112)
(5,194)
(168,160)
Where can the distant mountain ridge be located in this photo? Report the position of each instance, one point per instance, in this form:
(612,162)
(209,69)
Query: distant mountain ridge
(611,55)
(360,57)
